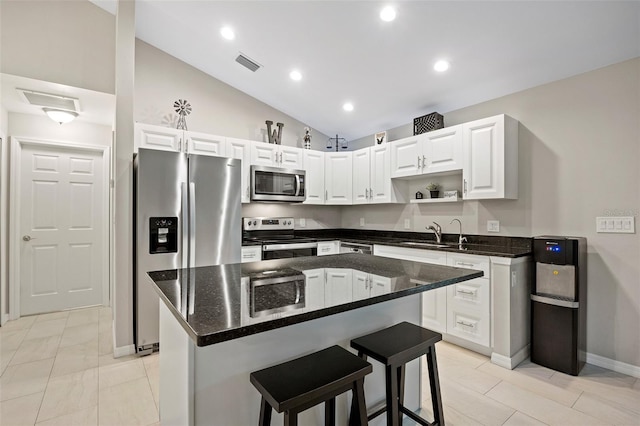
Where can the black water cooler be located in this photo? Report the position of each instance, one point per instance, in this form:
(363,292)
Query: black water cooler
(559,303)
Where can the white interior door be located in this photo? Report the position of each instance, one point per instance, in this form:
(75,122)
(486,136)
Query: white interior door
(62,218)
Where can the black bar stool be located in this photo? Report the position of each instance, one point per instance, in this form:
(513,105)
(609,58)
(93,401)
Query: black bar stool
(394,347)
(301,383)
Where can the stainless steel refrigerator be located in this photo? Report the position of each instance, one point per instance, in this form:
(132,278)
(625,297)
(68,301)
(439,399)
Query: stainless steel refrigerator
(187,214)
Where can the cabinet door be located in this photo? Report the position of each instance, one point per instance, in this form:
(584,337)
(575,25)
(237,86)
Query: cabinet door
(251,254)
(406,156)
(338,178)
(326,248)
(241,149)
(338,286)
(290,157)
(313,289)
(264,154)
(314,184)
(157,137)
(379,285)
(380,188)
(434,309)
(360,285)
(490,151)
(442,150)
(205,144)
(361,173)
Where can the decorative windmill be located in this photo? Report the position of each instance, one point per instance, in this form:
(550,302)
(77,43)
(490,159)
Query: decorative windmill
(183,108)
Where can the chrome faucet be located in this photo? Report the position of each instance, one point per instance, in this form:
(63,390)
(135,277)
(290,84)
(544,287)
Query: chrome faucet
(437,230)
(461,239)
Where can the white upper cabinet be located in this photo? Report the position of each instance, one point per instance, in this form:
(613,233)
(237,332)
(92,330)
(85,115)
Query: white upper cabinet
(406,157)
(273,155)
(313,162)
(241,149)
(442,150)
(157,137)
(433,152)
(205,144)
(372,175)
(338,177)
(490,149)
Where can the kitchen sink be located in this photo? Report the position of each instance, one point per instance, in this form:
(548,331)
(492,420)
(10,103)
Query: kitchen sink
(419,244)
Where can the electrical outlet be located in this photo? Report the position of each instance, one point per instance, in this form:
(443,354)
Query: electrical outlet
(362,221)
(407,224)
(303,222)
(493,226)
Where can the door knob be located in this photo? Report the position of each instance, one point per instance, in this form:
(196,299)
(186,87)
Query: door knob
(27,238)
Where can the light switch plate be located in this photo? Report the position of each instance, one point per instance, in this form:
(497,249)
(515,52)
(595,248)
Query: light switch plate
(616,225)
(362,221)
(303,222)
(407,224)
(493,226)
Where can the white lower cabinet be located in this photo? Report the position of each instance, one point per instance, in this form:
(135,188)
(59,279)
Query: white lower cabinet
(369,285)
(338,286)
(326,248)
(314,289)
(251,254)
(434,302)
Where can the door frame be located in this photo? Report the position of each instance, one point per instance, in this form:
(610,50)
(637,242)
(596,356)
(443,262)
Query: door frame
(17,143)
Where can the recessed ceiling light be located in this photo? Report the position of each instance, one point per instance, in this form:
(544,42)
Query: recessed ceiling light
(227,32)
(295,75)
(388,14)
(348,106)
(441,66)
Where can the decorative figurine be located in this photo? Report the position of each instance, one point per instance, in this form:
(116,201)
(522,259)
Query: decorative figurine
(307,138)
(183,108)
(419,195)
(273,137)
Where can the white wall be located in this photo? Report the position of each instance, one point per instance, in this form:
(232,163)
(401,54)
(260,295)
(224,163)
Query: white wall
(4,214)
(67,42)
(43,128)
(578,159)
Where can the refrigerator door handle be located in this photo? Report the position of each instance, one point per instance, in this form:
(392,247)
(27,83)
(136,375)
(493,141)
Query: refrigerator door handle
(184,212)
(192,225)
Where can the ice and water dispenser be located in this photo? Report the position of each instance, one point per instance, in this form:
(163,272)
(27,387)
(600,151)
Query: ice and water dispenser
(559,303)
(163,235)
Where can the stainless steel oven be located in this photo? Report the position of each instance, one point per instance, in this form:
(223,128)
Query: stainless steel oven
(277,184)
(273,292)
(287,249)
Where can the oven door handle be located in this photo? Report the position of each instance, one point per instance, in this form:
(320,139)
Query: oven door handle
(294,246)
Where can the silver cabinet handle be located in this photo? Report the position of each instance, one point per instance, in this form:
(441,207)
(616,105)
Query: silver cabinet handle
(466,292)
(27,238)
(326,194)
(465,186)
(419,162)
(180,144)
(466,324)
(366,193)
(371,193)
(470,265)
(424,161)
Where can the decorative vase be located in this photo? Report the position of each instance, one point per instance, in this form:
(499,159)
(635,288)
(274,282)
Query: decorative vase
(434,194)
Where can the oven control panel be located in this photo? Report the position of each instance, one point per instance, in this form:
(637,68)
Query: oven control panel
(267,223)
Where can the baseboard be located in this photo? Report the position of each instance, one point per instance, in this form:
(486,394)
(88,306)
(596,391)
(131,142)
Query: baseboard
(612,364)
(4,319)
(124,351)
(510,362)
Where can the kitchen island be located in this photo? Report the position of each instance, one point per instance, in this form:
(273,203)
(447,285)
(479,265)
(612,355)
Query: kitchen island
(219,323)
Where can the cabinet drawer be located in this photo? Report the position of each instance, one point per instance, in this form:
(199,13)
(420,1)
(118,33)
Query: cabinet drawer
(472,295)
(470,261)
(470,326)
(251,254)
(328,247)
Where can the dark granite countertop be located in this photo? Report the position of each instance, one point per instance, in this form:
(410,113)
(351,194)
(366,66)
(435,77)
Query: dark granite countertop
(484,245)
(218,303)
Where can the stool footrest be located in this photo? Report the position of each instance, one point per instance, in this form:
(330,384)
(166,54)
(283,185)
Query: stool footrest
(416,418)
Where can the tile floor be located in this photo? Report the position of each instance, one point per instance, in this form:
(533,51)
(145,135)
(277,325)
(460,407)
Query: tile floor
(58,369)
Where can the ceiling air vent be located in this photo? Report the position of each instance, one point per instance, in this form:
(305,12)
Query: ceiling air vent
(250,64)
(48,100)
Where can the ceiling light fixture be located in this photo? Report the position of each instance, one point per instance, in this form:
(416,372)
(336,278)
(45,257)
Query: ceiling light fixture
(60,116)
(441,66)
(388,14)
(295,75)
(348,106)
(227,32)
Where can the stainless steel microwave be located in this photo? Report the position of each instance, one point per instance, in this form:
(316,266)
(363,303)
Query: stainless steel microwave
(276,184)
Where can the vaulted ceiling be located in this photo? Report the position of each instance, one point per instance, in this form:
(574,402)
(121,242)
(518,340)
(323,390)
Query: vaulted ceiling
(346,53)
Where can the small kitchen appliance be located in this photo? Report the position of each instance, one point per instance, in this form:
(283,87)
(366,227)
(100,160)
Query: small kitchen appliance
(276,235)
(559,303)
